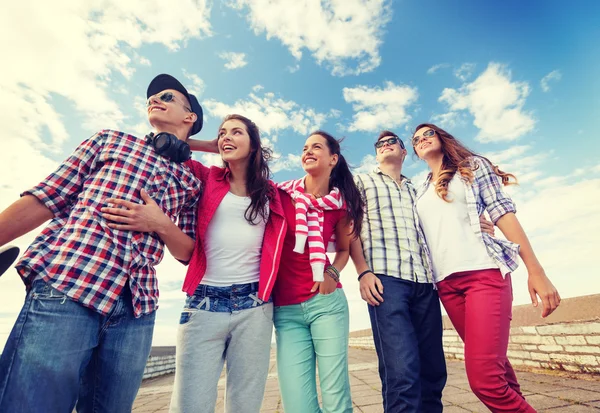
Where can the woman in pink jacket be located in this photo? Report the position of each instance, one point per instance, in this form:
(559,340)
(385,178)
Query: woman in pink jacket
(228,312)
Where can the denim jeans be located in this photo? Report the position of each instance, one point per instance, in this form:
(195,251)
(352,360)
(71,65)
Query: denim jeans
(61,354)
(407,330)
(314,331)
(218,325)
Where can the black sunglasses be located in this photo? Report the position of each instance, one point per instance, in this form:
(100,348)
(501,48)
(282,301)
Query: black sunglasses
(427,134)
(393,140)
(165,97)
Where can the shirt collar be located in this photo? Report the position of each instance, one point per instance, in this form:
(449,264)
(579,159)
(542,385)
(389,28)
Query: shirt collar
(378,170)
(225,172)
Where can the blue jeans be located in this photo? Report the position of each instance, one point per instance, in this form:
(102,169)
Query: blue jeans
(61,354)
(314,331)
(218,325)
(407,329)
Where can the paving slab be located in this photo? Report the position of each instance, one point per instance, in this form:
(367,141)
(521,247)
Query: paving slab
(546,391)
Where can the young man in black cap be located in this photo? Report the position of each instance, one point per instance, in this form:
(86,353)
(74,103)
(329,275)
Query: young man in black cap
(85,331)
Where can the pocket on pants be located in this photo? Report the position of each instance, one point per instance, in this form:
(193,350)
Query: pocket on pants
(43,291)
(267,310)
(186,315)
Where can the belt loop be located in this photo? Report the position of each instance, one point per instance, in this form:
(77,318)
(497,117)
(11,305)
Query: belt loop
(257,301)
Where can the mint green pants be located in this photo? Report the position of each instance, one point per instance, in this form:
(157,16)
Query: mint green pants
(308,334)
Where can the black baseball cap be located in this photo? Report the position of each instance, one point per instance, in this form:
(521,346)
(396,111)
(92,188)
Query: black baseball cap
(163,82)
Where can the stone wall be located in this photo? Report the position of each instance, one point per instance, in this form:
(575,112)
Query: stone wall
(565,346)
(160,362)
(567,340)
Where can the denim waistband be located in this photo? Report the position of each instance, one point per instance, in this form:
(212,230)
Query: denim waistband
(225,299)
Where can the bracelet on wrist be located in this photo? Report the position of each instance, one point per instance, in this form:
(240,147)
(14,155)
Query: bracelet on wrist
(362,274)
(333,273)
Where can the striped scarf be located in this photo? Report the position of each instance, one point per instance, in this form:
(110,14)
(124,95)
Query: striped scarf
(309,222)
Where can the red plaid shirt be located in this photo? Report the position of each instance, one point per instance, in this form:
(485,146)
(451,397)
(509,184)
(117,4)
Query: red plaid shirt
(77,253)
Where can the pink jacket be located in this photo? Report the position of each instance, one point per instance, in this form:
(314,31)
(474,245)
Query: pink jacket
(216,186)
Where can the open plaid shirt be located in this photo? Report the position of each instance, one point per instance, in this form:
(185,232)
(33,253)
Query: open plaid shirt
(77,253)
(486,194)
(393,241)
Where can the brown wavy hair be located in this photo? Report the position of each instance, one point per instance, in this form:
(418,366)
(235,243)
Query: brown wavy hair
(457,157)
(258,173)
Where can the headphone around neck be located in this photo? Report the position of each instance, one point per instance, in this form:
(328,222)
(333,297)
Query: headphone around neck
(167,145)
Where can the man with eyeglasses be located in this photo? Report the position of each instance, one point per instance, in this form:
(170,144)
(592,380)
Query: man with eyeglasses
(84,334)
(391,257)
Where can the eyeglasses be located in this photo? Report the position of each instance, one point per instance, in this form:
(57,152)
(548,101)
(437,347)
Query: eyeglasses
(166,97)
(393,140)
(427,134)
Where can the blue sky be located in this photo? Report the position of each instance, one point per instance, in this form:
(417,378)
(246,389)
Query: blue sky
(514,80)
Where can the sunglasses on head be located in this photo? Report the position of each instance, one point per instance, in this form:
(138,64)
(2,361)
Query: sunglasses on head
(427,134)
(166,97)
(393,140)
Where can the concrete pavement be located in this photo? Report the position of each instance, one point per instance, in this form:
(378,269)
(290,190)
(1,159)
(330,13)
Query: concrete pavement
(547,392)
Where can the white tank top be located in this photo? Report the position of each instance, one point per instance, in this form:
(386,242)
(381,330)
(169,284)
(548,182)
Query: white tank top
(232,244)
(453,245)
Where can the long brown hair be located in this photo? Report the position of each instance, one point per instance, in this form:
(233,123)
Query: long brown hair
(457,157)
(342,178)
(257,173)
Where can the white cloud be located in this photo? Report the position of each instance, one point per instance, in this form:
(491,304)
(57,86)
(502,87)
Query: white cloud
(92,44)
(555,75)
(448,120)
(367,164)
(211,159)
(76,53)
(433,69)
(198,85)
(270,113)
(562,221)
(344,35)
(465,71)
(257,88)
(379,108)
(519,161)
(496,104)
(233,60)
(285,163)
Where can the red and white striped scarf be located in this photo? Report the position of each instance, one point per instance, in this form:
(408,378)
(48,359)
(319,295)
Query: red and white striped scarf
(309,222)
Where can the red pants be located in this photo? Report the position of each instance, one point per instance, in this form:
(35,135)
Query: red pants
(479,304)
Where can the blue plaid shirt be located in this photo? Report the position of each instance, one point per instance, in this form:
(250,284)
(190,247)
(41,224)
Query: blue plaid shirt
(486,194)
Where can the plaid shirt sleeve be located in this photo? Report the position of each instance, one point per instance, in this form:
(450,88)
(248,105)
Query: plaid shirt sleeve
(188,218)
(496,201)
(59,189)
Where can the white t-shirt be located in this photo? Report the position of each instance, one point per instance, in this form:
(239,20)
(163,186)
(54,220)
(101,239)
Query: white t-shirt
(232,245)
(453,245)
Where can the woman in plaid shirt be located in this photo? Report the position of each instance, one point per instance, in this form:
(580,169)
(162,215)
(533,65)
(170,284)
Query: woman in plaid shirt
(472,270)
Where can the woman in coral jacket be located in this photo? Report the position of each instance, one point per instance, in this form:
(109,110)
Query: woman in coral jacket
(311,313)
(228,314)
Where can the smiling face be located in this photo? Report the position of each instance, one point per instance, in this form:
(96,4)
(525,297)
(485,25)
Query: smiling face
(426,143)
(172,113)
(234,141)
(316,156)
(390,152)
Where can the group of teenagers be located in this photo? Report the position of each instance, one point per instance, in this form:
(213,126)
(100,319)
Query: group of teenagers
(257,258)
